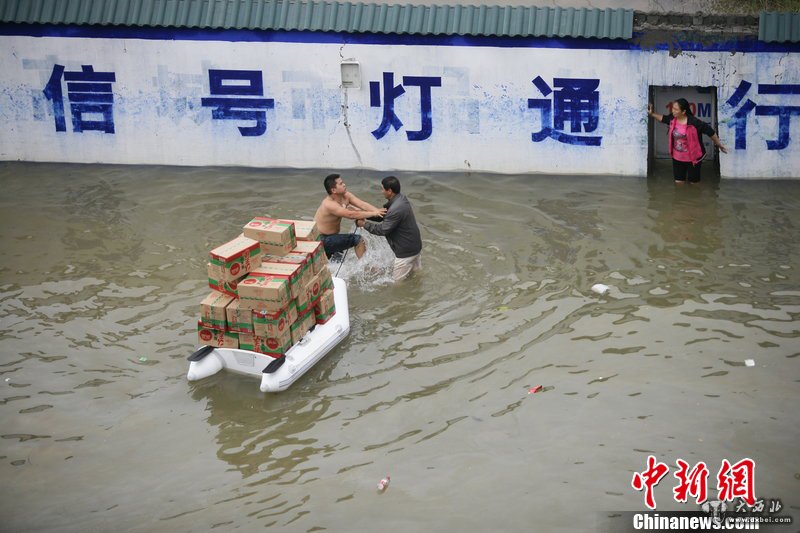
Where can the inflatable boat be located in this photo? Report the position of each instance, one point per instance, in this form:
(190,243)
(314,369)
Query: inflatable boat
(278,374)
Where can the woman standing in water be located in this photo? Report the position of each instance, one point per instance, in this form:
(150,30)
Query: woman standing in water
(685,145)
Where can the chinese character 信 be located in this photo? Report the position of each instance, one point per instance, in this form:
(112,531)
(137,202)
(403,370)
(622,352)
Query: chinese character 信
(648,479)
(234,100)
(89,94)
(576,101)
(391,92)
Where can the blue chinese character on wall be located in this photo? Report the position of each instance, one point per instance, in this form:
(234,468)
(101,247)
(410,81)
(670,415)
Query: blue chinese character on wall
(89,95)
(391,92)
(783,112)
(575,102)
(232,93)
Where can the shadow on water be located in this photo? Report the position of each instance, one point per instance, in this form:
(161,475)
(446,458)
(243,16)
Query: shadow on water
(251,426)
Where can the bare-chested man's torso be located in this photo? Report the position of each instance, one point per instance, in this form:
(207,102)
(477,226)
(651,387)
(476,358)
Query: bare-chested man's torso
(327,222)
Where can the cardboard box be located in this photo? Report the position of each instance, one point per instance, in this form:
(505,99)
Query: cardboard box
(216,338)
(225,287)
(291,272)
(276,237)
(262,292)
(236,258)
(304,230)
(302,326)
(302,302)
(314,289)
(212,310)
(272,346)
(269,324)
(315,252)
(325,279)
(325,308)
(240,319)
(247,342)
(292,313)
(306,266)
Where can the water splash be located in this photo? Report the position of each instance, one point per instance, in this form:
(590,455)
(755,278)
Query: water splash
(373,270)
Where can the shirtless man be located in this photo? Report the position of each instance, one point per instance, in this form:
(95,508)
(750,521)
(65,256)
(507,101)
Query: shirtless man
(337,205)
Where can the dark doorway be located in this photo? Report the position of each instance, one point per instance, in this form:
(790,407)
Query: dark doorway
(703,103)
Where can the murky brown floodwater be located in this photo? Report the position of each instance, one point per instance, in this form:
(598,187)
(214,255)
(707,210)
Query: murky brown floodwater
(103,268)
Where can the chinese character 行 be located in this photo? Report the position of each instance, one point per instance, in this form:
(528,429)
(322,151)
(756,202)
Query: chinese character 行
(391,92)
(233,101)
(783,112)
(88,92)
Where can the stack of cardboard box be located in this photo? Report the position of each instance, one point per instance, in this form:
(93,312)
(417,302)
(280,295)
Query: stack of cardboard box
(271,285)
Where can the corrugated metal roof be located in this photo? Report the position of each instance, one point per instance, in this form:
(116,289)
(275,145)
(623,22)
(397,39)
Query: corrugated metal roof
(311,15)
(779,27)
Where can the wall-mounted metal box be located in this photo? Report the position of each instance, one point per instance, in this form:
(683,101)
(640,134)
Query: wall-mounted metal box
(351,74)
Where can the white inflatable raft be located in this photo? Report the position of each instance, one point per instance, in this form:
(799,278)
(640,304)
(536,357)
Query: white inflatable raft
(207,360)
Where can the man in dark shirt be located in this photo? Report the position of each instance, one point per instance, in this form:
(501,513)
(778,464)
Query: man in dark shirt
(400,229)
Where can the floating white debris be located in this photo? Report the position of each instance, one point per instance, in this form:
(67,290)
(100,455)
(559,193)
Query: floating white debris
(749,362)
(599,288)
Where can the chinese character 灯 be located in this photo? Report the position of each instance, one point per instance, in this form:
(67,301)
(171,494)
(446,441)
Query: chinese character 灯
(391,92)
(233,101)
(89,93)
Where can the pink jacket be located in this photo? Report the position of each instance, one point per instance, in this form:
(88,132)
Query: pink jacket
(696,152)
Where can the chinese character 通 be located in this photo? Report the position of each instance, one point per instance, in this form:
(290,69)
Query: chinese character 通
(391,92)
(88,92)
(577,101)
(648,479)
(231,100)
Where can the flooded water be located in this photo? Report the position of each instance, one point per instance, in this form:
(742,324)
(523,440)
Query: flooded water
(103,268)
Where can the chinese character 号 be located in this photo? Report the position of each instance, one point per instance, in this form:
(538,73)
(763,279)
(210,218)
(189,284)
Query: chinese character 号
(230,100)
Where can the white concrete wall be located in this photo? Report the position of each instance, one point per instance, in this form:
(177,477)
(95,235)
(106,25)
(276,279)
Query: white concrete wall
(480,115)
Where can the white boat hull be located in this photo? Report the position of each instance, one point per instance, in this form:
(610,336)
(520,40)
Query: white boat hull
(299,359)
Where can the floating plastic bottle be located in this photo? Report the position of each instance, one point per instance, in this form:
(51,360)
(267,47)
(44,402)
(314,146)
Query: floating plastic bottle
(382,484)
(599,288)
